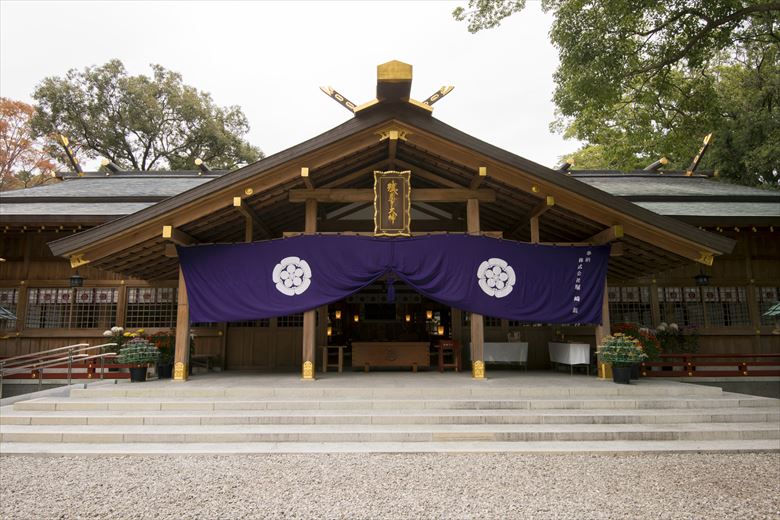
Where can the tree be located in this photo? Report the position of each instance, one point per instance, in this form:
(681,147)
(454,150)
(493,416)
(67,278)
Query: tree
(646,79)
(141,122)
(24,160)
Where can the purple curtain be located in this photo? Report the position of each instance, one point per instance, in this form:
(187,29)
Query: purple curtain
(500,278)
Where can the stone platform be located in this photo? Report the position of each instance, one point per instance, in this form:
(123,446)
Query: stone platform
(391,412)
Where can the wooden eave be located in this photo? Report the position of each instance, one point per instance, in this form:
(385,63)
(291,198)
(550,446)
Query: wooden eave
(344,157)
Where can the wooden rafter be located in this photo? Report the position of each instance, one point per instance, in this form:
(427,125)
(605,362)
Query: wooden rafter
(428,175)
(306,179)
(476,181)
(364,171)
(610,234)
(177,236)
(251,217)
(532,217)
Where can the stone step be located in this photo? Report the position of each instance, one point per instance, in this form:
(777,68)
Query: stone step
(386,433)
(607,448)
(357,417)
(182,404)
(164,390)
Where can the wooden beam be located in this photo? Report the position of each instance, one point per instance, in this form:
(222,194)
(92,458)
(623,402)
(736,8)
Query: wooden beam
(305,177)
(617,248)
(392,147)
(491,234)
(421,226)
(610,234)
(311,217)
(534,222)
(542,207)
(532,218)
(418,195)
(252,219)
(476,181)
(178,236)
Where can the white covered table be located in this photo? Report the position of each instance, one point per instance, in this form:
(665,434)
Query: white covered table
(570,354)
(507,352)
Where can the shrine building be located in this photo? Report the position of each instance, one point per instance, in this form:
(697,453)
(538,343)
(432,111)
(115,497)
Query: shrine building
(386,235)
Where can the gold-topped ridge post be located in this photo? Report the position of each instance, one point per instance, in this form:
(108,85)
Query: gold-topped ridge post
(204,168)
(393,81)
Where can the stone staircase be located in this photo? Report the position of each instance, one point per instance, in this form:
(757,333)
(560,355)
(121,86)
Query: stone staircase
(170,418)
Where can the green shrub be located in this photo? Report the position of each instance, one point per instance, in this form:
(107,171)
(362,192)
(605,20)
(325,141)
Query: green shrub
(620,349)
(138,351)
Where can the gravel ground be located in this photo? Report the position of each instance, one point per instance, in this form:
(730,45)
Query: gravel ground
(503,486)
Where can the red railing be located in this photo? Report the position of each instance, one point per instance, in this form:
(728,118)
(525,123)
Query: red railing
(713,365)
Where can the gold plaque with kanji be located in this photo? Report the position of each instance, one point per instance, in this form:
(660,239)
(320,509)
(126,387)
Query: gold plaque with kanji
(392,203)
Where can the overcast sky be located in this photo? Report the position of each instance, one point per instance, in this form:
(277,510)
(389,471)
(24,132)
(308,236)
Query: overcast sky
(270,58)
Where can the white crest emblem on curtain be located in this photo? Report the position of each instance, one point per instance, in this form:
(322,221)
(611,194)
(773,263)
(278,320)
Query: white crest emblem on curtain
(496,277)
(292,276)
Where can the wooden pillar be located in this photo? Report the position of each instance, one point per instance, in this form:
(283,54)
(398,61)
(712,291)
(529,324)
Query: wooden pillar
(655,305)
(309,317)
(223,344)
(534,230)
(477,322)
(751,293)
(602,331)
(182,356)
(121,305)
(21,308)
(249,229)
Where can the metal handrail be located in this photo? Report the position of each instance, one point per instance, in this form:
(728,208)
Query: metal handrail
(41,360)
(43,352)
(43,364)
(43,356)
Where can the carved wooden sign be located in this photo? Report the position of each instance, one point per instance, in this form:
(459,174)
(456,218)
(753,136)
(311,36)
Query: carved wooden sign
(392,203)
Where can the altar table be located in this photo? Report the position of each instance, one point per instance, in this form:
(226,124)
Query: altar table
(570,354)
(413,354)
(506,352)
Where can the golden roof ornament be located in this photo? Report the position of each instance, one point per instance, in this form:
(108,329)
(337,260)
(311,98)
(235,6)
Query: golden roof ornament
(393,85)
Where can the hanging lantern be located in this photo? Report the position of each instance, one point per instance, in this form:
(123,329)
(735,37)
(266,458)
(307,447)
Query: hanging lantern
(330,331)
(338,315)
(429,314)
(76,280)
(440,330)
(356,317)
(408,318)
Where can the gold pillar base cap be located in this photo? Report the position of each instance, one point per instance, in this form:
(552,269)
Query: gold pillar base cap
(180,372)
(478,370)
(307,372)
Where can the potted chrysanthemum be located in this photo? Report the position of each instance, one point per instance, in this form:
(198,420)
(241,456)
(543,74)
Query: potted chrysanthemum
(622,352)
(139,353)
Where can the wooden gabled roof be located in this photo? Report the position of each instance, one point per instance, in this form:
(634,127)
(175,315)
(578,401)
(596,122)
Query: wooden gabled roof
(438,155)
